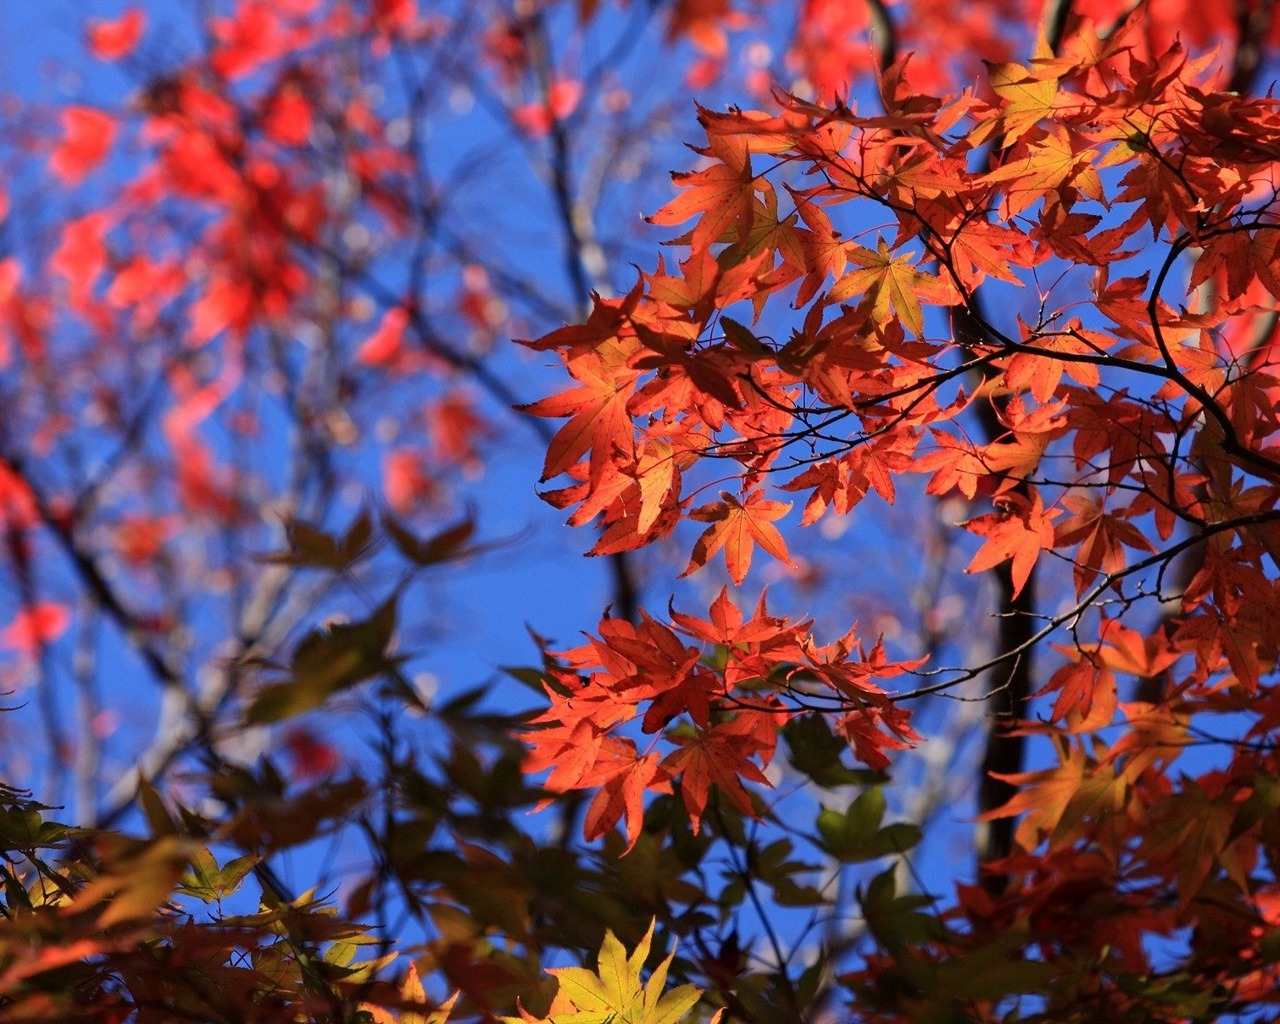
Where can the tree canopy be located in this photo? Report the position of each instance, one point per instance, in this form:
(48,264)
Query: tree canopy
(924,432)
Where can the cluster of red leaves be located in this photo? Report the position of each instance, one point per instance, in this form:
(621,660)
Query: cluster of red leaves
(235,157)
(1135,427)
(212,240)
(667,379)
(722,694)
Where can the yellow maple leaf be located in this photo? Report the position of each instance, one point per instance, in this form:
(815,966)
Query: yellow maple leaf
(411,992)
(615,993)
(1029,93)
(887,280)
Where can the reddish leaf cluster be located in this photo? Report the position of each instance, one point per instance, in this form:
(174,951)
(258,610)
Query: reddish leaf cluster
(727,705)
(1134,425)
(1026,281)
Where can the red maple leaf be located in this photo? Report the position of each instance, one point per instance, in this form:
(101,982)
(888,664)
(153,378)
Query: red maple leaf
(721,196)
(86,137)
(1019,532)
(114,40)
(81,256)
(405,481)
(598,419)
(621,796)
(385,345)
(311,758)
(35,626)
(536,119)
(715,756)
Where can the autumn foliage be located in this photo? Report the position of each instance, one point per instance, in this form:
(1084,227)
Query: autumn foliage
(926,433)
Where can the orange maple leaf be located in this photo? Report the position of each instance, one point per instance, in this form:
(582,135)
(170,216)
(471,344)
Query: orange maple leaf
(1048,165)
(1102,537)
(1028,93)
(1020,531)
(714,756)
(1086,690)
(721,196)
(1059,801)
(622,795)
(737,526)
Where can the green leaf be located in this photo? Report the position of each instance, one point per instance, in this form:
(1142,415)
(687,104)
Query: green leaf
(197,881)
(312,548)
(446,546)
(159,820)
(27,830)
(774,867)
(896,920)
(847,835)
(326,662)
(812,748)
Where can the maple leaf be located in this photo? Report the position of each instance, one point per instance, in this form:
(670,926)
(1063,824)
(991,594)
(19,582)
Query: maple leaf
(1127,650)
(251,36)
(658,477)
(1086,692)
(81,256)
(713,756)
(395,17)
(1060,801)
(824,251)
(405,481)
(536,119)
(616,993)
(739,525)
(86,137)
(704,22)
(1049,165)
(309,757)
(866,733)
(1157,734)
(385,345)
(1194,834)
(1019,532)
(1032,430)
(1040,371)
(830,485)
(227,304)
(288,115)
(981,249)
(1028,93)
(621,795)
(721,196)
(954,464)
(411,994)
(886,280)
(114,40)
(35,626)
(1102,537)
(140,882)
(456,428)
(599,422)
